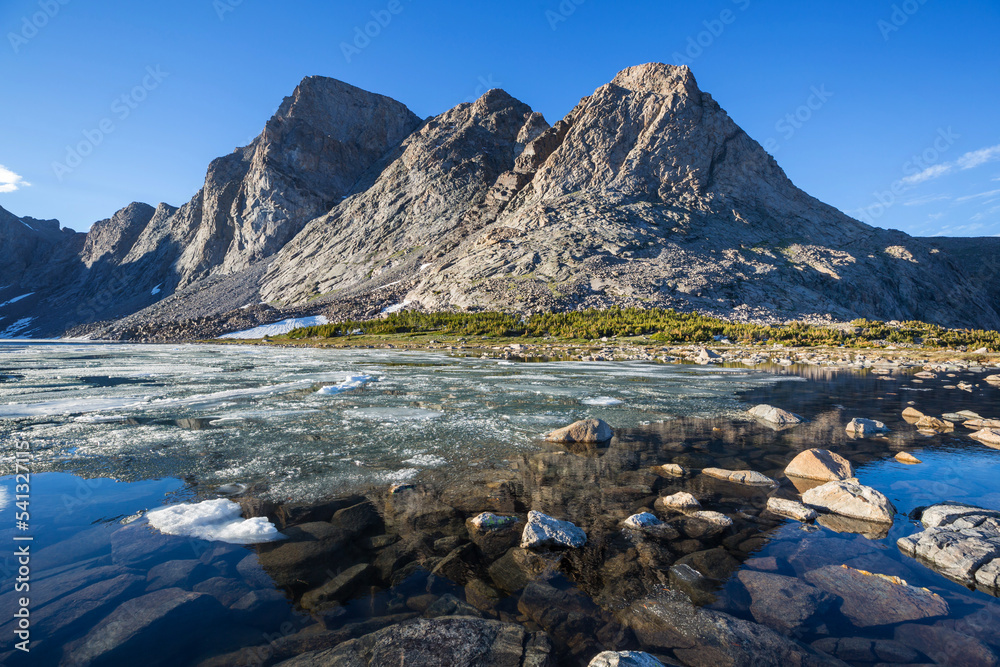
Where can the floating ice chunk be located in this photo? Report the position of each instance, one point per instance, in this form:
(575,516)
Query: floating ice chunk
(216,520)
(156,290)
(426,460)
(4,498)
(277,328)
(352,382)
(601,400)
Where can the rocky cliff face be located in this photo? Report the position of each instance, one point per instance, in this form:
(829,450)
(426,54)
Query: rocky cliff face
(653,196)
(646,194)
(310,154)
(431,193)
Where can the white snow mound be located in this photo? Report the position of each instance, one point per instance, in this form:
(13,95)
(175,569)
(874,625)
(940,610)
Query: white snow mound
(277,328)
(216,520)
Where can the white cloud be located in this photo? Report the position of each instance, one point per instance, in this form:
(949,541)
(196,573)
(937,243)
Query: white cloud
(991,193)
(970,160)
(9,181)
(920,201)
(982,156)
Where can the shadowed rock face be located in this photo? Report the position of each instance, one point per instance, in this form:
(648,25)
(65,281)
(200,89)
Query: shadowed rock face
(311,152)
(646,194)
(431,195)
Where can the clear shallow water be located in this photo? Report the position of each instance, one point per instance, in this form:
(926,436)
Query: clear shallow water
(454,420)
(219,415)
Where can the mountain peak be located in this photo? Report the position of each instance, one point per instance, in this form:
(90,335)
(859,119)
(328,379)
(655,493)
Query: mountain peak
(658,78)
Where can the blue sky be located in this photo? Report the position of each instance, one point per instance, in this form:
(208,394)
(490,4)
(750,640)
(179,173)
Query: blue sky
(885,109)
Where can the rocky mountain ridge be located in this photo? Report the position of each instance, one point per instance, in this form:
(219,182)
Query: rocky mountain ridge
(646,194)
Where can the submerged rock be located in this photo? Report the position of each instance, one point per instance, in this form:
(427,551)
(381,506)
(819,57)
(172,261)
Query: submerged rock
(775,416)
(863,427)
(865,650)
(851,499)
(168,619)
(820,464)
(585,430)
(438,642)
(791,509)
(875,599)
(697,636)
(337,589)
(945,646)
(784,603)
(545,531)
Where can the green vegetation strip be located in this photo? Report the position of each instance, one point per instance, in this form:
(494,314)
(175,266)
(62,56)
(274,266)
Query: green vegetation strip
(665,326)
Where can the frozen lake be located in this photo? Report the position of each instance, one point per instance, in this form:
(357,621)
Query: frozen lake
(299,423)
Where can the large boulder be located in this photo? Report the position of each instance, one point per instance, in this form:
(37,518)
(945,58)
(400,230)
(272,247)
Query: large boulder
(989,437)
(585,430)
(438,642)
(851,499)
(775,416)
(820,464)
(958,541)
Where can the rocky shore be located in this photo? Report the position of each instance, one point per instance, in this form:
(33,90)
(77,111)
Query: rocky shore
(690,542)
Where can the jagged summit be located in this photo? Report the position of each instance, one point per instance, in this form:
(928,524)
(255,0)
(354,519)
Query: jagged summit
(657,78)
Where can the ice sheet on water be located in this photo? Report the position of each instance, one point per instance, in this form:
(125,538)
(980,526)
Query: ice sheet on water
(392,414)
(215,520)
(277,328)
(602,400)
(70,406)
(426,460)
(352,382)
(257,414)
(4,499)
